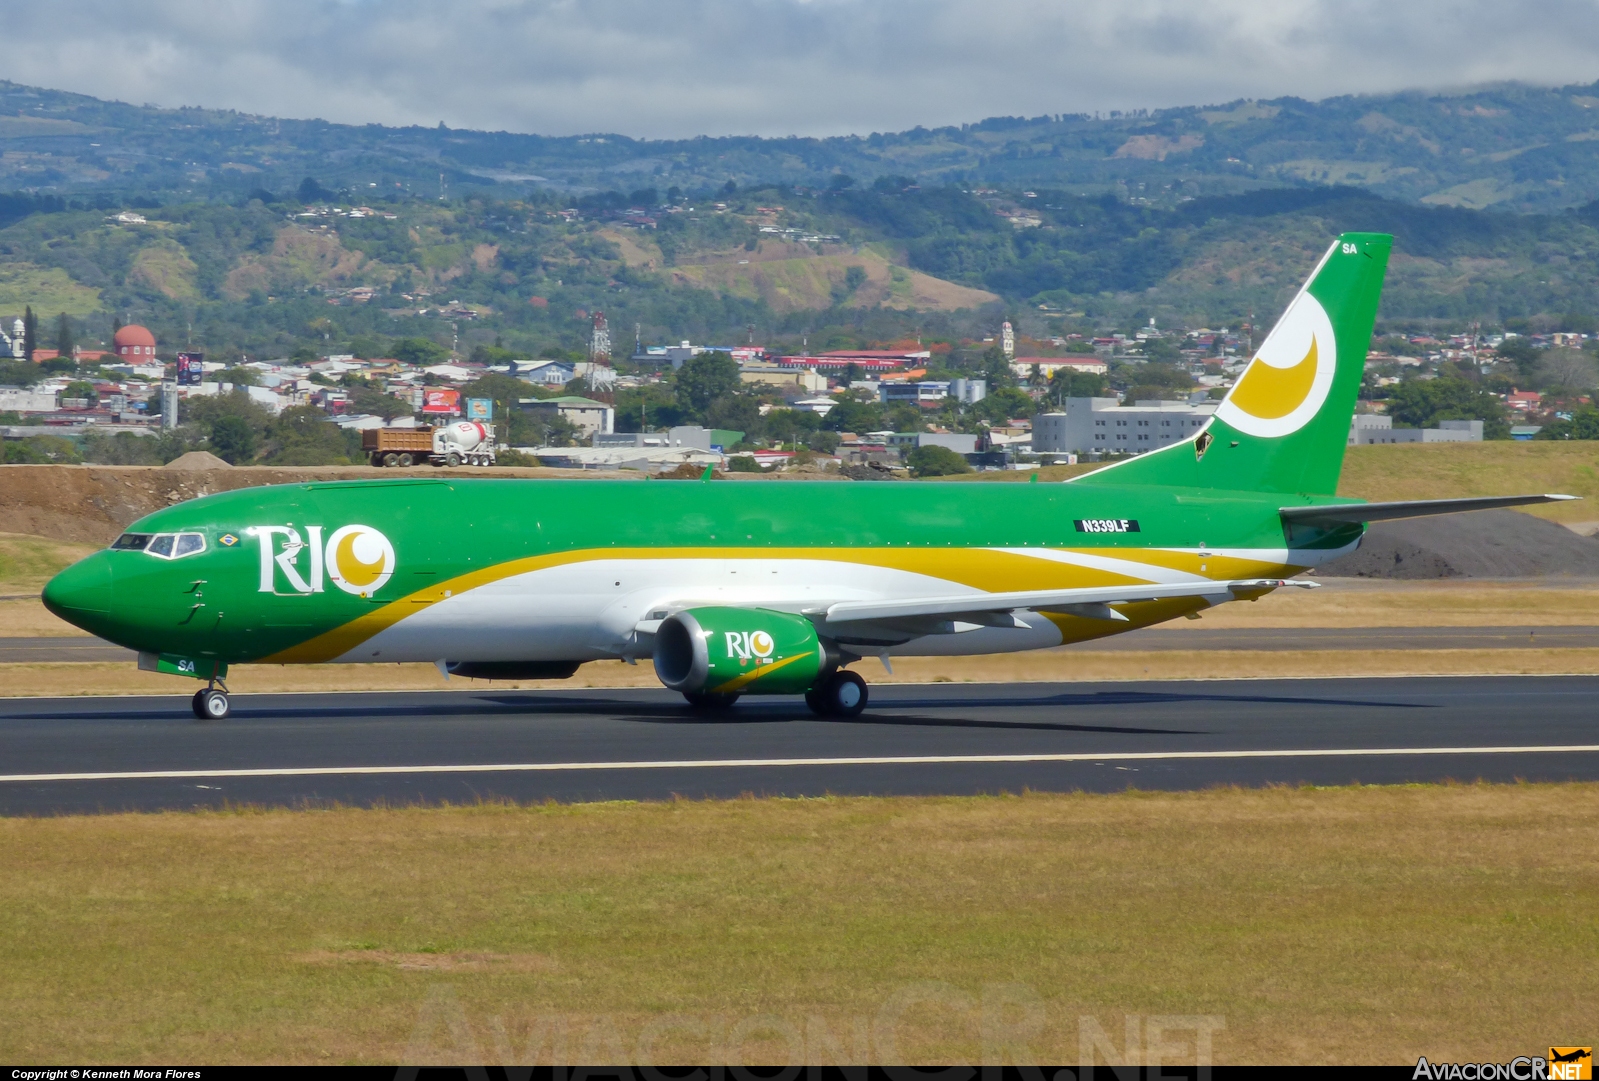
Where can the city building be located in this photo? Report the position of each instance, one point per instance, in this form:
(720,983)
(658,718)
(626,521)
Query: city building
(960,443)
(968,391)
(133,343)
(27,400)
(550,373)
(1367,429)
(1048,366)
(585,414)
(776,375)
(674,355)
(927,393)
(820,406)
(1104,425)
(869,360)
(691,436)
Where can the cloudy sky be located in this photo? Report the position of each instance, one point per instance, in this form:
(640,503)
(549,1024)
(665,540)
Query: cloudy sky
(667,68)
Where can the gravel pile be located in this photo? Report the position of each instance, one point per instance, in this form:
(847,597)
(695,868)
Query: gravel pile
(1482,544)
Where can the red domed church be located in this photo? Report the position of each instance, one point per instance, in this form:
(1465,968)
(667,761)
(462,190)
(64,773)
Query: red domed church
(134,343)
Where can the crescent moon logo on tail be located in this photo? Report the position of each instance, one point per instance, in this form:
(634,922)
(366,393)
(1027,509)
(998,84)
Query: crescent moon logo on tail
(1290,377)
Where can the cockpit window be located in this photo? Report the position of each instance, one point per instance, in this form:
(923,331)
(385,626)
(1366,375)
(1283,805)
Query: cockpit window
(162,545)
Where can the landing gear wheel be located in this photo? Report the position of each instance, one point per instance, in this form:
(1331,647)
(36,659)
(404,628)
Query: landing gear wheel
(406,461)
(452,459)
(211,704)
(707,701)
(842,695)
(391,459)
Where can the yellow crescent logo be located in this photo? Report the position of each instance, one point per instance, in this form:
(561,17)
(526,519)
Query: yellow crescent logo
(1269,393)
(1289,379)
(360,560)
(761,644)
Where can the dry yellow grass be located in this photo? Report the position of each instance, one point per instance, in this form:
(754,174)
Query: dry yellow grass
(1363,925)
(1457,470)
(29,619)
(1445,603)
(27,562)
(1439,471)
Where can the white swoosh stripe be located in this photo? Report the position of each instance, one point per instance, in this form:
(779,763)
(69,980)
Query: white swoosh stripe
(726,763)
(1147,572)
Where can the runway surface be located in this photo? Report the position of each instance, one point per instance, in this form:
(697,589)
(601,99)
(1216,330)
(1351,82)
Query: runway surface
(1158,639)
(108,754)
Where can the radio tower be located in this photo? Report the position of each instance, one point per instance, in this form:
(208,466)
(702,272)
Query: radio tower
(600,343)
(602,377)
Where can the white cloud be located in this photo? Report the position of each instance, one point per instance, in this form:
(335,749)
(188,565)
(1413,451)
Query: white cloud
(772,67)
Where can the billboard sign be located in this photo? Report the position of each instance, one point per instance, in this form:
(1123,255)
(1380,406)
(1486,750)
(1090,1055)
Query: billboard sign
(480,409)
(191,369)
(437,401)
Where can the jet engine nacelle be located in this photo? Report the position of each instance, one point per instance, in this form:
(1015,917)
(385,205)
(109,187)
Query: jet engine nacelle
(740,651)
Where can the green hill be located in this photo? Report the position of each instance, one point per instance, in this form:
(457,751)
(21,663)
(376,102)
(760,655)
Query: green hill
(893,261)
(1509,146)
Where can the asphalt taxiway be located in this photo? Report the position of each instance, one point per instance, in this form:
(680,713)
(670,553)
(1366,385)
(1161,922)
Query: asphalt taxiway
(1154,639)
(109,754)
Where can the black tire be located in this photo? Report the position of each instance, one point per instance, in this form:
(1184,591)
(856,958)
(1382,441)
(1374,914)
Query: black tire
(391,459)
(213,705)
(817,701)
(375,459)
(844,694)
(406,461)
(710,702)
(452,459)
(194,704)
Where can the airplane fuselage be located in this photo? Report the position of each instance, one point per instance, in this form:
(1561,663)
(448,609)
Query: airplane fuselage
(490,570)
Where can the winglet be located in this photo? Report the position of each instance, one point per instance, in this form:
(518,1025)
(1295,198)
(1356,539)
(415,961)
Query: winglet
(708,471)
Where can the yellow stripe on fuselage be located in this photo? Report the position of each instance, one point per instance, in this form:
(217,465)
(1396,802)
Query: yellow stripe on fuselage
(976,568)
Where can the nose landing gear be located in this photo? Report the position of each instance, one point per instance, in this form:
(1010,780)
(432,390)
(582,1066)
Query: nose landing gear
(211,703)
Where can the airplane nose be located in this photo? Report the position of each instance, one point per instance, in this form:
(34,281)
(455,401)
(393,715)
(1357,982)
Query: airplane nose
(82,589)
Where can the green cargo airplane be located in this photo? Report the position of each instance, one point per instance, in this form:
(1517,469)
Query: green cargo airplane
(738,589)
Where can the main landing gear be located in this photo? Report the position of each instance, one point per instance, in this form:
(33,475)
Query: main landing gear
(211,703)
(842,694)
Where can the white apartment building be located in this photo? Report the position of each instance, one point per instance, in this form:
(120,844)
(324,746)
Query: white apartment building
(1369,428)
(1104,425)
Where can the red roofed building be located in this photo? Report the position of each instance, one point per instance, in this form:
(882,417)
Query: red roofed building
(867,360)
(134,343)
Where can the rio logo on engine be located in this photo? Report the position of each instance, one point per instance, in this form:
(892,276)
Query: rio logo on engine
(748,646)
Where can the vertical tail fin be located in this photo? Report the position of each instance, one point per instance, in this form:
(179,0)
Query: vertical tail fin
(1284,425)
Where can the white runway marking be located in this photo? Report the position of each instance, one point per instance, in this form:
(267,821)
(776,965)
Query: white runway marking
(712,763)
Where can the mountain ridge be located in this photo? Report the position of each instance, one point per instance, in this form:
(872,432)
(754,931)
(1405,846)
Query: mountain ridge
(1506,145)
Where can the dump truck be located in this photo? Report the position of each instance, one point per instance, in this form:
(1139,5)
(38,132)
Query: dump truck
(465,442)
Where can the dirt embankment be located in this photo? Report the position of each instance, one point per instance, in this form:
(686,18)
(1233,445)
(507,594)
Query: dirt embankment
(91,504)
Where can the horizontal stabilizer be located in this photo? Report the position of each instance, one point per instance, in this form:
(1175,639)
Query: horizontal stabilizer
(1091,602)
(1351,513)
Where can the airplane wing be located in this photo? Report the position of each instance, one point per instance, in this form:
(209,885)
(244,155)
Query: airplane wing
(1093,602)
(1351,513)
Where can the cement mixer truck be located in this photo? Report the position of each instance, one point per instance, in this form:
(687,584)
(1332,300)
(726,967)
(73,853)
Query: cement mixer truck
(466,442)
